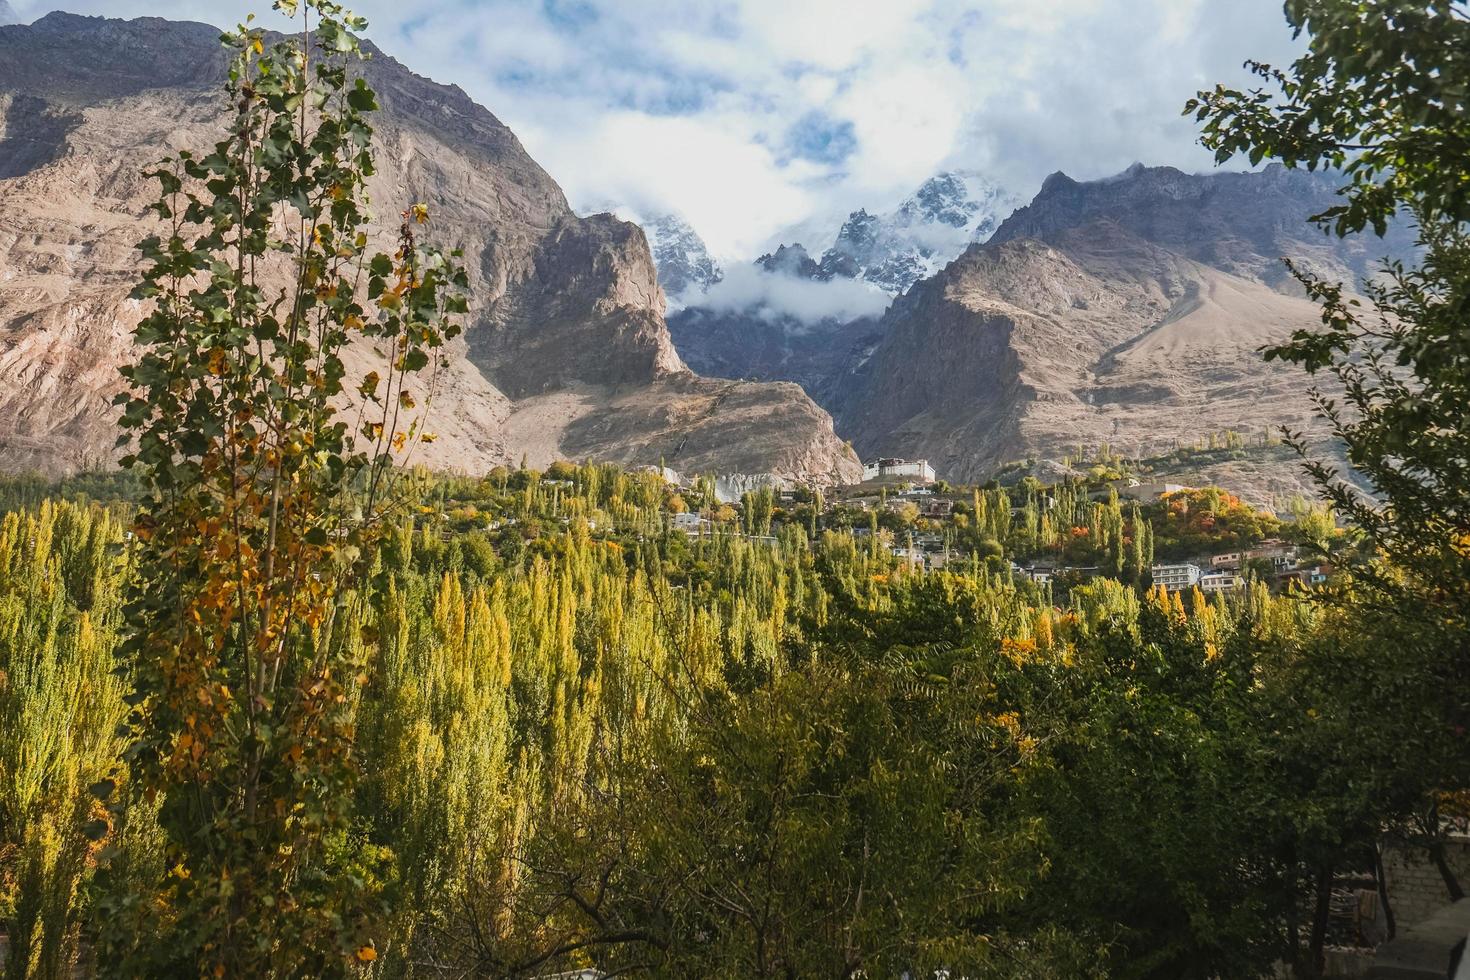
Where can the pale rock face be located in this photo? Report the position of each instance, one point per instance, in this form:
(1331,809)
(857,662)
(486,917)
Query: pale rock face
(561,308)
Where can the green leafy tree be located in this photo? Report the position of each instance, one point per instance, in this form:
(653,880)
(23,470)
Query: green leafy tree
(1380,95)
(265,497)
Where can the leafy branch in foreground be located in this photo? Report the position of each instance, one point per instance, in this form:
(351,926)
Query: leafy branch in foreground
(263,507)
(1380,94)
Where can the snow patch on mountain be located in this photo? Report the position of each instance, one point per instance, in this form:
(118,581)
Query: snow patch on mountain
(872,258)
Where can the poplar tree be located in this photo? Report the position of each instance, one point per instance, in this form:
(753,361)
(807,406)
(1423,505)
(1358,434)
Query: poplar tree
(265,493)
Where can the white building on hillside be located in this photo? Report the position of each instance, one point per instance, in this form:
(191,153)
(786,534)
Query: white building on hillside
(917,470)
(1173,577)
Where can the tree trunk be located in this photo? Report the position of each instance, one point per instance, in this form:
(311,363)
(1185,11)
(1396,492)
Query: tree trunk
(1378,875)
(1451,881)
(1319,921)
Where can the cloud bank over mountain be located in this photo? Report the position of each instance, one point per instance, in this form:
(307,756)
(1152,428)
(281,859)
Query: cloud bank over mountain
(777,295)
(747,116)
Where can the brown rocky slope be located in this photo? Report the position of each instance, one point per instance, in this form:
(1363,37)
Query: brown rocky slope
(566,354)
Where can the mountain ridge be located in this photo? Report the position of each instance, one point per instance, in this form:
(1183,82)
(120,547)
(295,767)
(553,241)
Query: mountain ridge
(1128,311)
(560,305)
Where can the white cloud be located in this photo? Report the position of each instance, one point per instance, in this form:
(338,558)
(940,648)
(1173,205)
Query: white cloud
(705,167)
(689,105)
(747,288)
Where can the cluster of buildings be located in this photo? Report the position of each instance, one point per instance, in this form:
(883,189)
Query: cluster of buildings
(913,479)
(1221,573)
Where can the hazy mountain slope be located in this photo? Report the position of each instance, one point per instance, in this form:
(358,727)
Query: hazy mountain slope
(559,303)
(1128,311)
(751,344)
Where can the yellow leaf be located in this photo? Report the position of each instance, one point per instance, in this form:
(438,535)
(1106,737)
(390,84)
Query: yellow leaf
(366,953)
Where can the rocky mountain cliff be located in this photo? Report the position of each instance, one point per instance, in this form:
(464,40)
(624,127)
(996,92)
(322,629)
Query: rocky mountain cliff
(1241,223)
(566,354)
(1128,310)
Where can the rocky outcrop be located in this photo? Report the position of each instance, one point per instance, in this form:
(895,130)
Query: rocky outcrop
(562,308)
(1241,223)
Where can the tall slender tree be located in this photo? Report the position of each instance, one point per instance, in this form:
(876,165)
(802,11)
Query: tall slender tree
(264,502)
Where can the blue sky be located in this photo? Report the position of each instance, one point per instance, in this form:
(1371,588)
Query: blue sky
(752,118)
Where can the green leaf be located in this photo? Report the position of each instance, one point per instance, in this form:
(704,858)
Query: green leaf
(362,98)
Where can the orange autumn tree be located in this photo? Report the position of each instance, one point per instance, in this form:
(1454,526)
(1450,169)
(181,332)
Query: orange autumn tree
(268,472)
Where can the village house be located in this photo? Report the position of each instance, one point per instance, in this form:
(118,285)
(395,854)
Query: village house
(1226,582)
(1312,575)
(689,522)
(937,507)
(911,555)
(1281,555)
(1231,559)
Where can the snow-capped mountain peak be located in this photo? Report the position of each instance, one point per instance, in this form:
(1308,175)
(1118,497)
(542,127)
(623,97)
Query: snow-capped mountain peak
(890,250)
(924,233)
(684,264)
